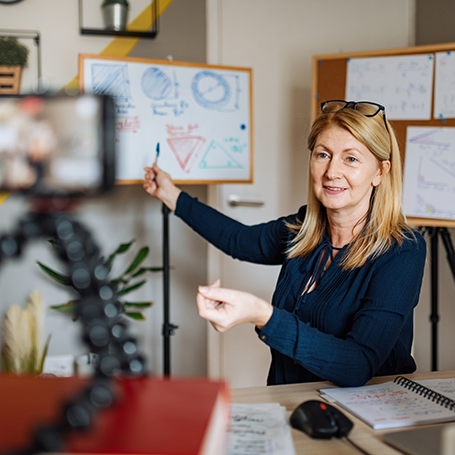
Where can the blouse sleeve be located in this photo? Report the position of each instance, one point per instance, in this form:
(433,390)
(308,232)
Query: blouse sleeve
(264,243)
(391,296)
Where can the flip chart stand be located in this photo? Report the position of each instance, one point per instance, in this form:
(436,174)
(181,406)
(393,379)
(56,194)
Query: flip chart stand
(434,233)
(168,328)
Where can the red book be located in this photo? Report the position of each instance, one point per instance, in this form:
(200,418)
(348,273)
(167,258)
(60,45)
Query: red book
(150,416)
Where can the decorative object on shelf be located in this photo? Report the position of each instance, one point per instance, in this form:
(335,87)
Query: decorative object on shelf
(123,283)
(115,13)
(140,27)
(22,348)
(13,57)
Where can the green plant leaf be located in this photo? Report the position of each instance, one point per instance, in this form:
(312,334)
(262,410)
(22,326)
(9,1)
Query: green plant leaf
(62,279)
(121,280)
(143,252)
(122,248)
(129,289)
(43,357)
(137,304)
(135,315)
(68,307)
(143,270)
(55,244)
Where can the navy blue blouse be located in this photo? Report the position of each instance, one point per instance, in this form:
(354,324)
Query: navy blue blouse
(354,325)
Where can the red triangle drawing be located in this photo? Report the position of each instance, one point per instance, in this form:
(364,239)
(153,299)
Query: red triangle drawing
(186,150)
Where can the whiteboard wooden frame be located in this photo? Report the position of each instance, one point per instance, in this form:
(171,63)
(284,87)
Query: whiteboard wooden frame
(249,71)
(329,82)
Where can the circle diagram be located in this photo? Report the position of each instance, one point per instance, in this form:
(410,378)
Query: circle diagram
(155,84)
(210,90)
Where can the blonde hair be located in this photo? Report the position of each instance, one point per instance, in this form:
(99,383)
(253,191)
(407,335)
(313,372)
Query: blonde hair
(385,221)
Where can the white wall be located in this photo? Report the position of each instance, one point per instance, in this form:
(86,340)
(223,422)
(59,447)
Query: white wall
(128,212)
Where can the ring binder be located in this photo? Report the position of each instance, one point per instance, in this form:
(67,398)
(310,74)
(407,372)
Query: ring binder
(425,392)
(399,403)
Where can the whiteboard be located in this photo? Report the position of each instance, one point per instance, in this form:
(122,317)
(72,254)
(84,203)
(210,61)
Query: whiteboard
(200,115)
(429,175)
(402,83)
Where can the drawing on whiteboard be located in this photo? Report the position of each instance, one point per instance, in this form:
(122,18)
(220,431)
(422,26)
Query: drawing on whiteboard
(429,178)
(169,108)
(216,92)
(155,84)
(111,79)
(184,145)
(127,124)
(235,145)
(217,157)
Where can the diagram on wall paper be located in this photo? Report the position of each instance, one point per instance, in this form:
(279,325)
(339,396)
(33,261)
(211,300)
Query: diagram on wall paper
(429,176)
(199,114)
(402,83)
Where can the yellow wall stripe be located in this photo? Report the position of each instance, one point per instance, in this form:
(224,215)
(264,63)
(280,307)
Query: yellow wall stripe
(119,47)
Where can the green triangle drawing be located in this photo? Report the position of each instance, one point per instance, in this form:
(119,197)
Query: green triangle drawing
(217,157)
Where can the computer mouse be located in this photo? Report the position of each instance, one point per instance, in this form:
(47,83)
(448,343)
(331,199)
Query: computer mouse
(320,420)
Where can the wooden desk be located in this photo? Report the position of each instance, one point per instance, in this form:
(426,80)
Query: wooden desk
(363,435)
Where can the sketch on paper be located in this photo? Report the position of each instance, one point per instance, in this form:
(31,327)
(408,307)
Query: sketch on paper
(403,84)
(429,176)
(444,85)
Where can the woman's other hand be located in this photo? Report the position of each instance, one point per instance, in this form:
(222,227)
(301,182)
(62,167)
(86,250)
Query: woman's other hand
(227,308)
(159,185)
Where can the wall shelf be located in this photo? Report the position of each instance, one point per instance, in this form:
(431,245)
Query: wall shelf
(149,34)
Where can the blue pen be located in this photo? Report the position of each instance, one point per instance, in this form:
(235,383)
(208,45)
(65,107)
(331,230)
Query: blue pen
(157,154)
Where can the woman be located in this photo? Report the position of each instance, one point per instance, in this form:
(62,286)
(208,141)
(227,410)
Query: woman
(351,271)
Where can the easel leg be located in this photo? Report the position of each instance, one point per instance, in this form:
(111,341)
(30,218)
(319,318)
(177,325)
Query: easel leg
(434,316)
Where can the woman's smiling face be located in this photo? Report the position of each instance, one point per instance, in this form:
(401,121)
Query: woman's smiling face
(344,173)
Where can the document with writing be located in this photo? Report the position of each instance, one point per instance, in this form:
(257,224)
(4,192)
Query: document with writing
(259,429)
(399,403)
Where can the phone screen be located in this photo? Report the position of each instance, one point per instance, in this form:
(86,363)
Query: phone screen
(57,145)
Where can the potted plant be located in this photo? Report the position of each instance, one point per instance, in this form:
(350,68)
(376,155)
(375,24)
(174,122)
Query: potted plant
(22,349)
(124,284)
(115,14)
(13,57)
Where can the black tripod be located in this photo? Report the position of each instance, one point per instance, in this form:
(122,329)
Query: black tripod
(434,233)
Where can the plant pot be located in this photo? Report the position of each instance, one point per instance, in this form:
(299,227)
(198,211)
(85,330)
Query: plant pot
(85,364)
(115,16)
(10,80)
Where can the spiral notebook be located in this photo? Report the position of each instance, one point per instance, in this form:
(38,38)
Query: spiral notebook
(399,403)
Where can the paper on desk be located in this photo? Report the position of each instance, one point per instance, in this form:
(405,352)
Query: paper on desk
(259,429)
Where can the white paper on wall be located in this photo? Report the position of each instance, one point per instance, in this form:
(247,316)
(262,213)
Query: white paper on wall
(429,173)
(403,84)
(444,85)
